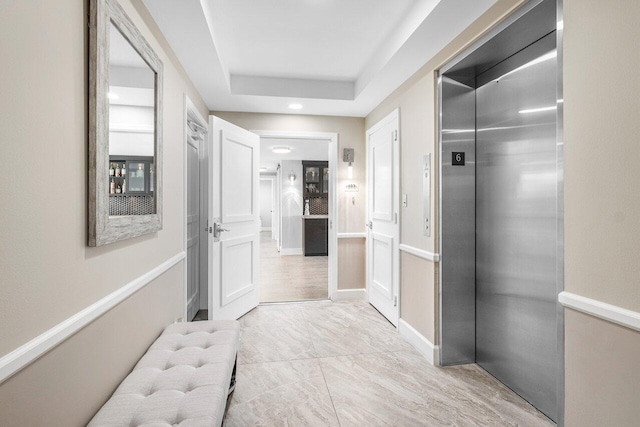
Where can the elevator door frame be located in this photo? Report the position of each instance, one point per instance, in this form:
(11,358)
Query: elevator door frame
(527,7)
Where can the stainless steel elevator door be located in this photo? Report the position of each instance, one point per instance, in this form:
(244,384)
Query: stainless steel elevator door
(516,334)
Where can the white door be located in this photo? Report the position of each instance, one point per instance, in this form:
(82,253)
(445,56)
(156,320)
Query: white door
(194,150)
(234,218)
(382,212)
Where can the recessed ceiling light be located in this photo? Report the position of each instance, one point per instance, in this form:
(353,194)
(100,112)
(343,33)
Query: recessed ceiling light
(281,150)
(295,106)
(263,169)
(112,95)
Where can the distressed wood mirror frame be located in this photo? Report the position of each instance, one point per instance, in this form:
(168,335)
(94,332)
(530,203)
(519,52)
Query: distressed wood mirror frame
(103,228)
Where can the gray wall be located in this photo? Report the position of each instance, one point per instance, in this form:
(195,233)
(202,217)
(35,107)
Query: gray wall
(291,205)
(266,201)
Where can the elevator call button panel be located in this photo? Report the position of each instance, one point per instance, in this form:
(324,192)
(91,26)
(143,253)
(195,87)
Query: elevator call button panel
(457,158)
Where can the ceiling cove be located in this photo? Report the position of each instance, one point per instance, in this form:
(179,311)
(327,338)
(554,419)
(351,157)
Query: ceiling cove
(332,57)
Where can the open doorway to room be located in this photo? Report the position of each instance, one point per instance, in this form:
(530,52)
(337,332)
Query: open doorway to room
(295,197)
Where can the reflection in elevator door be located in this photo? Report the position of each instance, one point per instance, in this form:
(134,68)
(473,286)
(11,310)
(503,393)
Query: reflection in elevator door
(516,178)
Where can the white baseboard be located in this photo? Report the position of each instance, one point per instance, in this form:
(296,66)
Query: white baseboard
(417,340)
(13,362)
(265,229)
(349,294)
(290,251)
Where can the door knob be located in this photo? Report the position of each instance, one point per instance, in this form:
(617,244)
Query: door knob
(370,225)
(219,229)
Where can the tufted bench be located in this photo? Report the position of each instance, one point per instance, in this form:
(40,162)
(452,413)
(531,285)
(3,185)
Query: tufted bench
(183,379)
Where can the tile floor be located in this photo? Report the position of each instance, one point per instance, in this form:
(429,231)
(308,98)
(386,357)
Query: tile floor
(291,277)
(343,364)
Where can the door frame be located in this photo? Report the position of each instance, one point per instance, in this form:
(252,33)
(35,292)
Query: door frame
(191,112)
(332,138)
(394,115)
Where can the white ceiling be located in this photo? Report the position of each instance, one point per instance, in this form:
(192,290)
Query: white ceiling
(335,57)
(301,149)
(302,39)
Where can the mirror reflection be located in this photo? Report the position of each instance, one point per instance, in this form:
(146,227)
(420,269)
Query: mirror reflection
(131,130)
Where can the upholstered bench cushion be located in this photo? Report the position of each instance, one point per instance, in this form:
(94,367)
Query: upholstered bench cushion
(182,380)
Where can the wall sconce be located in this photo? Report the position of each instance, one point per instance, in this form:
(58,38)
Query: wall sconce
(292,177)
(348,156)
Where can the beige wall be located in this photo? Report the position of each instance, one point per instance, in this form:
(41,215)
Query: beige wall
(351,263)
(351,206)
(48,272)
(602,207)
(601,129)
(418,299)
(69,384)
(602,379)
(416,99)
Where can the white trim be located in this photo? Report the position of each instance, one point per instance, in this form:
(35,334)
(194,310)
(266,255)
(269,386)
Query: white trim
(362,235)
(349,294)
(265,229)
(618,315)
(334,149)
(419,342)
(420,253)
(290,251)
(22,356)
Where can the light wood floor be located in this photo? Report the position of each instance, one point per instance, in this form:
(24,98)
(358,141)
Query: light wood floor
(291,277)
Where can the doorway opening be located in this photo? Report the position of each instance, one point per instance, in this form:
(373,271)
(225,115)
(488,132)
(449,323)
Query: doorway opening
(297,216)
(195,291)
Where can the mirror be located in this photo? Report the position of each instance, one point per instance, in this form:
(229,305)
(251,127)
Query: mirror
(125,141)
(131,129)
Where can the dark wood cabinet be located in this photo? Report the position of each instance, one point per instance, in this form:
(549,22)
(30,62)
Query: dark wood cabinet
(316,241)
(315,177)
(138,178)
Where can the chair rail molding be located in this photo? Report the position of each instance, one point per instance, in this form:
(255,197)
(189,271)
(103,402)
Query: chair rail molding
(612,313)
(362,235)
(24,355)
(420,253)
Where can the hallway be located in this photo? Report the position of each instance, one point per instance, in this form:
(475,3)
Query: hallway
(324,363)
(290,277)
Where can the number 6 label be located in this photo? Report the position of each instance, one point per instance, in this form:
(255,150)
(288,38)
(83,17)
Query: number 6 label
(457,158)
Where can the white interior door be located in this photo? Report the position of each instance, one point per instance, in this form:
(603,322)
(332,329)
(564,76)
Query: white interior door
(194,150)
(234,218)
(382,212)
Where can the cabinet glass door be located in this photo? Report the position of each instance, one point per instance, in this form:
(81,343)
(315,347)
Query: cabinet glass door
(312,179)
(151,175)
(325,180)
(135,177)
